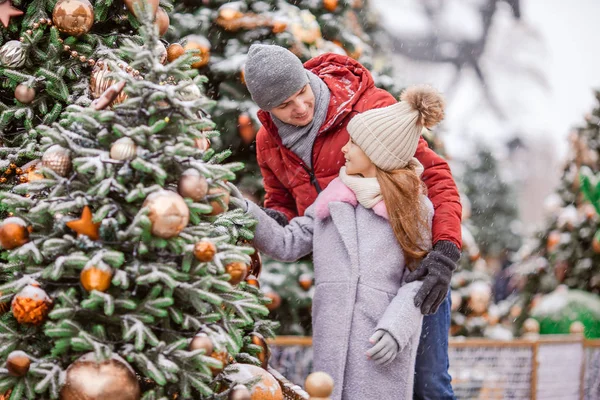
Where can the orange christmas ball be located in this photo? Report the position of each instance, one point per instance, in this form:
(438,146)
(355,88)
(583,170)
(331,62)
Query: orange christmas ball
(13,233)
(174,51)
(221,356)
(162,21)
(18,363)
(252,281)
(265,353)
(228,13)
(94,278)
(192,184)
(305,281)
(267,387)
(275,301)
(278,27)
(219,200)
(237,271)
(31,305)
(204,251)
(330,5)
(202,46)
(202,342)
(246,128)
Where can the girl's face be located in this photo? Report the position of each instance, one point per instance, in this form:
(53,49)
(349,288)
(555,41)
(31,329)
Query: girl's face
(357,162)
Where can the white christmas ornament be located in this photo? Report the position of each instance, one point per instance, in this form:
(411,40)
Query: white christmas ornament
(123,149)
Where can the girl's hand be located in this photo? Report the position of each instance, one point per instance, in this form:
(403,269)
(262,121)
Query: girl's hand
(385,348)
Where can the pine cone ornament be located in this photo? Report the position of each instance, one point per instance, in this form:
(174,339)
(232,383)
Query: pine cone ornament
(31,305)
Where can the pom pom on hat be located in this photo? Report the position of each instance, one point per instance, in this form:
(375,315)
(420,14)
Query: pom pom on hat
(389,136)
(427,101)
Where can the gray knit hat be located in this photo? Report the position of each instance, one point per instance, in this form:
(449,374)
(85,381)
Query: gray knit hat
(273,74)
(389,136)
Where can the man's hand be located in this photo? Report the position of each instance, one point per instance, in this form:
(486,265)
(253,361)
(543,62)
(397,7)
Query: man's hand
(436,272)
(385,348)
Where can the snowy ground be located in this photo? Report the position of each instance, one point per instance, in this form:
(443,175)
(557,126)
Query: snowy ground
(540,72)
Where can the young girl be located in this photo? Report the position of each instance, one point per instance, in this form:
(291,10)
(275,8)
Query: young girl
(366,231)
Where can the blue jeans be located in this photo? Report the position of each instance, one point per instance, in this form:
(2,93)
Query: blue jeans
(432,380)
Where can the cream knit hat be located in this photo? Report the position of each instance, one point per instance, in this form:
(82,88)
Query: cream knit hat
(389,136)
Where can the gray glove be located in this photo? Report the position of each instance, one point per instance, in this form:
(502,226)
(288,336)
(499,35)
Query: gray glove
(385,348)
(435,271)
(236,197)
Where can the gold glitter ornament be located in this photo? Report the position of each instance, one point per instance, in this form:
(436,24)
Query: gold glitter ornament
(205,251)
(192,184)
(58,159)
(31,305)
(73,17)
(237,272)
(123,149)
(24,93)
(88,379)
(169,213)
(12,54)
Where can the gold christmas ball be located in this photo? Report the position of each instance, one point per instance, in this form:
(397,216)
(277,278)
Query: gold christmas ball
(204,251)
(88,379)
(265,354)
(58,159)
(219,200)
(202,45)
(174,51)
(123,149)
(31,305)
(192,184)
(13,233)
(24,93)
(275,301)
(305,281)
(96,278)
(202,143)
(319,385)
(267,387)
(18,363)
(73,17)
(237,270)
(240,392)
(202,342)
(152,3)
(162,21)
(330,5)
(100,82)
(253,281)
(169,213)
(531,326)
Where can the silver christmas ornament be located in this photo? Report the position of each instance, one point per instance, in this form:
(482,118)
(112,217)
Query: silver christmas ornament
(123,149)
(12,54)
(58,159)
(189,93)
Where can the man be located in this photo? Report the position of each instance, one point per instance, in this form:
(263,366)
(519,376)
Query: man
(304,113)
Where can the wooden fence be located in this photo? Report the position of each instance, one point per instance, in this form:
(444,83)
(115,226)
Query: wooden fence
(539,368)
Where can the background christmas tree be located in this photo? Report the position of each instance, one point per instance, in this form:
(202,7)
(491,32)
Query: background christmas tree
(224,31)
(124,261)
(566,251)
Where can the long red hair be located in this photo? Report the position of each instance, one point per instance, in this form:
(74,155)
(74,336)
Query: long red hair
(401,190)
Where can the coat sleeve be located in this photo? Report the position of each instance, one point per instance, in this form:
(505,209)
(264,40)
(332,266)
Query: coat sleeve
(401,318)
(288,243)
(442,191)
(277,196)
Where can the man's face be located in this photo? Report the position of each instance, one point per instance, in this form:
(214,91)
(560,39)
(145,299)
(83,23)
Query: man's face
(297,110)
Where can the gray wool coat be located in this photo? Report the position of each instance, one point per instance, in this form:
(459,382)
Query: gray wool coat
(359,275)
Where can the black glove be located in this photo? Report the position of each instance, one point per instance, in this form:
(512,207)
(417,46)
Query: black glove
(436,271)
(278,216)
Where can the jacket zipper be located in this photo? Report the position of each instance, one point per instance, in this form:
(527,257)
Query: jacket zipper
(311,172)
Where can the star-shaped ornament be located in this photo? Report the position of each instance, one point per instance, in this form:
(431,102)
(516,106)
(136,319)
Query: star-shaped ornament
(84,225)
(7,11)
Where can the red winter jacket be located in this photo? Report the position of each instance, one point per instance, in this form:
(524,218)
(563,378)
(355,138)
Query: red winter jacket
(290,184)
